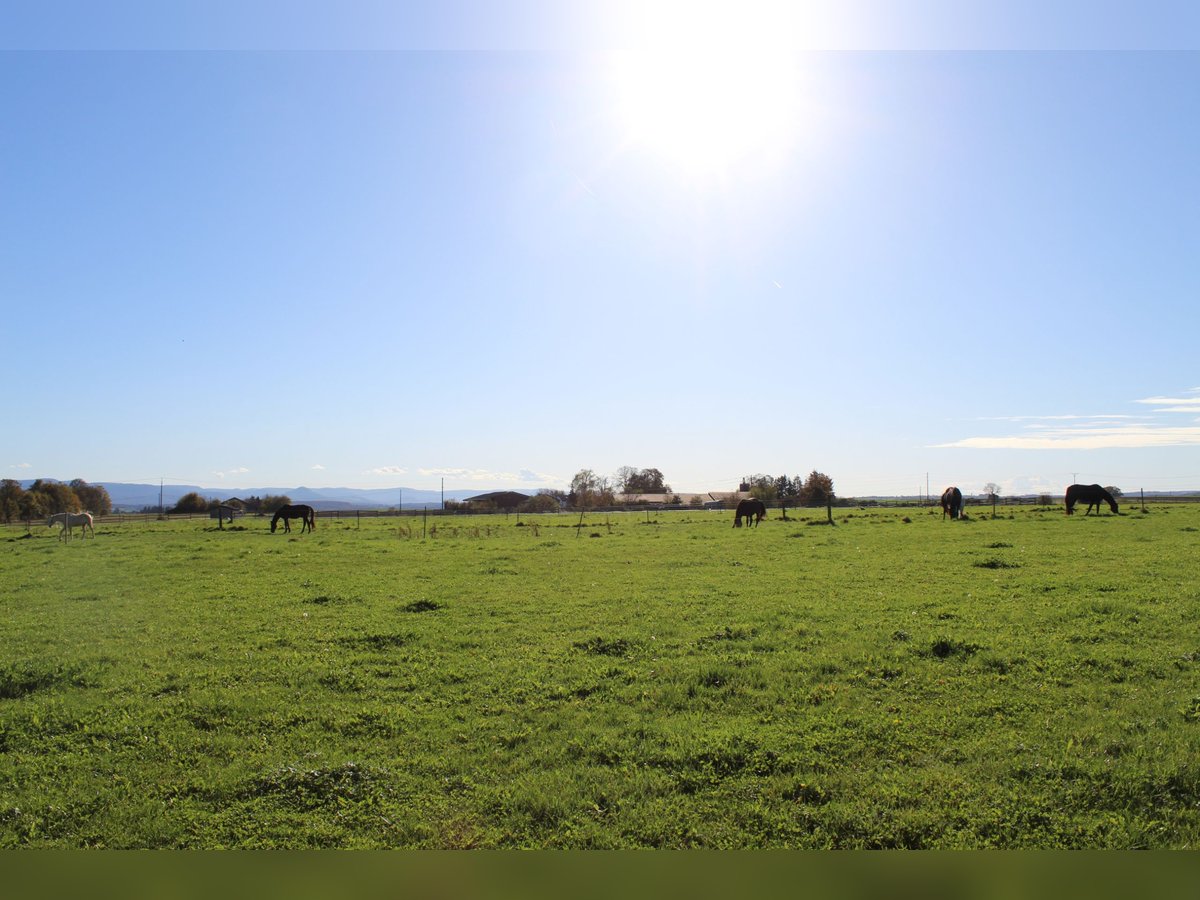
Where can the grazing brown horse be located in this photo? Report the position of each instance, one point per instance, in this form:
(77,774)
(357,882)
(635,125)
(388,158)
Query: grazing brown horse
(749,509)
(1092,494)
(952,503)
(295,511)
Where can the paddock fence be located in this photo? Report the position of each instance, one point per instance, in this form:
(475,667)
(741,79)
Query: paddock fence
(1129,501)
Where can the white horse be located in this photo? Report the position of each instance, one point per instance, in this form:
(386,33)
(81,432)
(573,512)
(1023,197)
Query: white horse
(66,520)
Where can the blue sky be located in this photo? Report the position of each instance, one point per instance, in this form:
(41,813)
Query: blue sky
(373,245)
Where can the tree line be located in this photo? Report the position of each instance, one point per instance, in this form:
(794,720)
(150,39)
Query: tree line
(814,489)
(44,498)
(193,502)
(589,489)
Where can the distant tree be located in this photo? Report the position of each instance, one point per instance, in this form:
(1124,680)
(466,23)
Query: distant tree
(583,484)
(34,505)
(629,480)
(1115,491)
(589,489)
(763,487)
(92,497)
(272,502)
(624,478)
(817,489)
(10,499)
(541,502)
(57,497)
(991,489)
(696,501)
(190,503)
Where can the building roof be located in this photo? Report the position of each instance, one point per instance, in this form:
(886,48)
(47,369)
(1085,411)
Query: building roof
(499,498)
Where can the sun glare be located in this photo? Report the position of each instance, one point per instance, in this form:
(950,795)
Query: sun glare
(710,92)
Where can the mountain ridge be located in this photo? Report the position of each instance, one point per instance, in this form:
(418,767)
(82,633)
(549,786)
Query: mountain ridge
(132,496)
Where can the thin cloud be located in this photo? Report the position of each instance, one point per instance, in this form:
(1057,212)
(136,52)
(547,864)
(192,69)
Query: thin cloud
(1065,418)
(319,468)
(530,477)
(21,466)
(388,470)
(470,474)
(1087,438)
(240,470)
(1076,431)
(524,476)
(1188,404)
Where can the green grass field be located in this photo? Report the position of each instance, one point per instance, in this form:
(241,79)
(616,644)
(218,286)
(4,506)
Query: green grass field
(666,681)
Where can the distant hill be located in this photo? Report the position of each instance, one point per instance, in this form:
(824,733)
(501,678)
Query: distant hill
(131,497)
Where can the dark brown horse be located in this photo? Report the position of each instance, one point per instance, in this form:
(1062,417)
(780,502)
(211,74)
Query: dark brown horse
(952,503)
(751,510)
(295,511)
(1091,494)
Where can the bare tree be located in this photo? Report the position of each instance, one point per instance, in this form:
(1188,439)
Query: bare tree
(589,489)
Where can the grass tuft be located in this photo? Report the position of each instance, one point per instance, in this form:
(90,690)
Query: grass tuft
(995,563)
(600,646)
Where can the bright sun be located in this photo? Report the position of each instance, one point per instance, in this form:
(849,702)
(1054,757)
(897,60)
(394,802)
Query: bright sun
(708,92)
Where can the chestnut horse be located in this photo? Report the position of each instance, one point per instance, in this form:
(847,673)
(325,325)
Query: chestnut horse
(295,511)
(750,509)
(1092,494)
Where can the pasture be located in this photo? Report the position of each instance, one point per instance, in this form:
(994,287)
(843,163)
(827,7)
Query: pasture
(895,680)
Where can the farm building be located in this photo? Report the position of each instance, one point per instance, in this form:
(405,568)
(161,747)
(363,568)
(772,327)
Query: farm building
(497,500)
(227,510)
